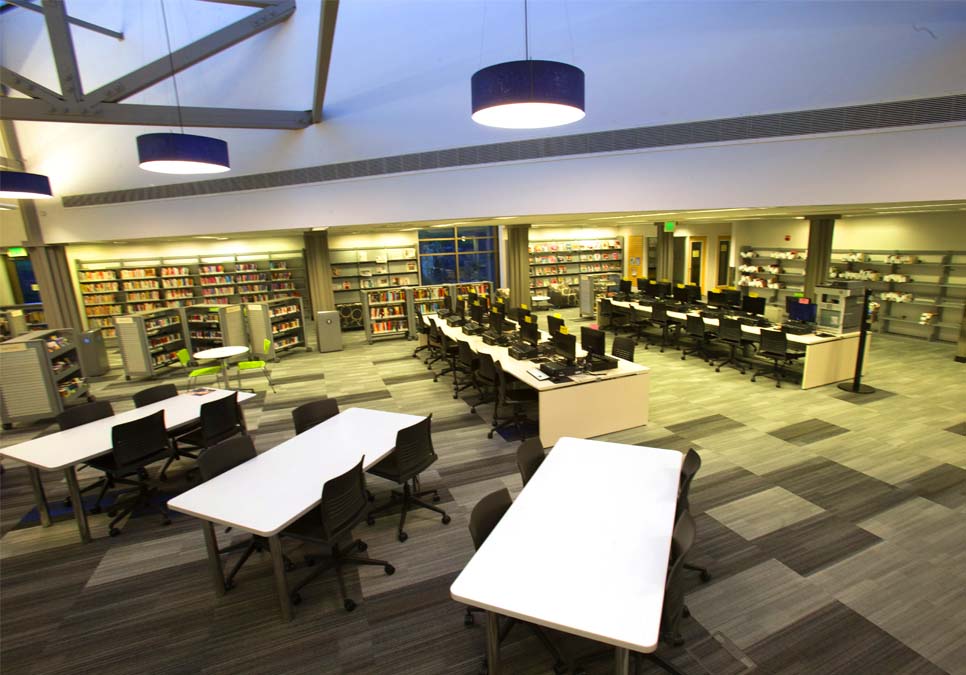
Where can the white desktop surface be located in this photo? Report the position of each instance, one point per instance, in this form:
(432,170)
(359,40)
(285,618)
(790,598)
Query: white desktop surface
(269,492)
(74,446)
(220,352)
(585,546)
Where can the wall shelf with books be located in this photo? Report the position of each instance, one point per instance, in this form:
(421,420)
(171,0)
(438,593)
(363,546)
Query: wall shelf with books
(281,322)
(385,314)
(567,261)
(771,272)
(149,341)
(356,271)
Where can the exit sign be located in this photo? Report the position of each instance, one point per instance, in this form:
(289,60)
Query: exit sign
(669,226)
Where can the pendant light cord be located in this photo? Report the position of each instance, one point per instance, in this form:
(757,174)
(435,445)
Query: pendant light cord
(174,79)
(526,29)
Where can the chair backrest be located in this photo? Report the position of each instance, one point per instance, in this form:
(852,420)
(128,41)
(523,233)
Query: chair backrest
(623,348)
(487,370)
(139,441)
(312,413)
(467,356)
(414,449)
(694,325)
(659,312)
(421,326)
(82,414)
(681,541)
(487,513)
(434,333)
(226,455)
(530,456)
(729,330)
(154,394)
(774,342)
(184,356)
(640,316)
(689,467)
(221,419)
(500,380)
(344,502)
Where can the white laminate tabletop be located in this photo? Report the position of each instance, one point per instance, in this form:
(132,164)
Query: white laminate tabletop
(269,492)
(220,352)
(73,446)
(584,548)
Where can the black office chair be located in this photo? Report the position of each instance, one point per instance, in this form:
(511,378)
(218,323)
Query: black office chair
(689,467)
(660,319)
(700,338)
(620,317)
(483,519)
(516,398)
(76,416)
(623,348)
(530,456)
(640,321)
(220,419)
(412,455)
(421,329)
(344,505)
(154,394)
(435,344)
(486,381)
(467,363)
(774,346)
(312,413)
(135,445)
(730,333)
(449,351)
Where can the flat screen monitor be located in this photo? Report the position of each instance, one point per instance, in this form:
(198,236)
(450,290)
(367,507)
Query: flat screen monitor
(716,299)
(662,289)
(650,289)
(446,302)
(800,311)
(693,291)
(753,305)
(680,293)
(529,333)
(625,286)
(732,297)
(592,340)
(471,297)
(461,308)
(496,315)
(641,286)
(521,313)
(553,324)
(566,346)
(496,323)
(476,312)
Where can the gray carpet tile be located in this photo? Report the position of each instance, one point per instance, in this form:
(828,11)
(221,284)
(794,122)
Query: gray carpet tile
(944,484)
(811,544)
(704,426)
(671,442)
(958,428)
(862,399)
(809,431)
(412,377)
(724,487)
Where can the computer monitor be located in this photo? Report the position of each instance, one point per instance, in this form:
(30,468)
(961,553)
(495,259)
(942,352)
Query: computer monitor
(716,299)
(496,314)
(446,301)
(592,340)
(800,309)
(650,289)
(753,305)
(529,332)
(471,297)
(662,289)
(565,345)
(553,324)
(641,285)
(680,293)
(732,297)
(625,286)
(476,312)
(522,313)
(461,307)
(693,291)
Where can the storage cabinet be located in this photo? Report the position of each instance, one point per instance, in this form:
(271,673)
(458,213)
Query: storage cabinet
(40,375)
(281,322)
(149,341)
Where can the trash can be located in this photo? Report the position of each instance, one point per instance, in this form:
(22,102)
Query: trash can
(328,331)
(92,353)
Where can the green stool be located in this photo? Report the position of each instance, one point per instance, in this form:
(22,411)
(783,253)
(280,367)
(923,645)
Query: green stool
(257,365)
(185,357)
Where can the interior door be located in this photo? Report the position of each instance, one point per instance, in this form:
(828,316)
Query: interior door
(697,250)
(678,271)
(724,256)
(635,259)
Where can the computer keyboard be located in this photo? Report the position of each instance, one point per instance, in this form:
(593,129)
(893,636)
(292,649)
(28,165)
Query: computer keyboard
(472,328)
(797,328)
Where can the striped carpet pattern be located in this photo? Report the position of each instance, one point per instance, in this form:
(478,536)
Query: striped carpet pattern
(833,526)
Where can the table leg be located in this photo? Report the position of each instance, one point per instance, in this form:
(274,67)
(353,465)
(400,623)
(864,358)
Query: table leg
(281,586)
(77,503)
(622,661)
(40,499)
(493,643)
(224,373)
(214,558)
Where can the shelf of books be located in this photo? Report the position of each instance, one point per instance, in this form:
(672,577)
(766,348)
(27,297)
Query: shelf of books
(384,314)
(566,261)
(281,322)
(150,341)
(356,271)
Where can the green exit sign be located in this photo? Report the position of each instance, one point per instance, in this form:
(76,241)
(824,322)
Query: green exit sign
(669,226)
(17,252)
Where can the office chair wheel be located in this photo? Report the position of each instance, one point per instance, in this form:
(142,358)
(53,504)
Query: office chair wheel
(705,576)
(446,519)
(362,546)
(484,668)
(67,502)
(229,585)
(455,396)
(370,521)
(114,532)
(349,604)
(296,599)
(389,570)
(490,434)
(436,378)
(468,620)
(166,521)
(403,536)
(685,612)
(682,357)
(435,497)
(752,378)
(290,566)
(112,513)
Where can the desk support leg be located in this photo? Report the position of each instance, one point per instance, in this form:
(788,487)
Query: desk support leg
(40,499)
(622,661)
(281,586)
(77,503)
(493,643)
(214,558)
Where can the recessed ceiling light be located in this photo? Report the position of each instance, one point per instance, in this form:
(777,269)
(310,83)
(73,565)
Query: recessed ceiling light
(320,229)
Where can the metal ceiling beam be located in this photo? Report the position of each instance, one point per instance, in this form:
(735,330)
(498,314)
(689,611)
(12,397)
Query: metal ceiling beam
(27,86)
(246,3)
(80,23)
(152,115)
(327,17)
(11,163)
(61,43)
(155,72)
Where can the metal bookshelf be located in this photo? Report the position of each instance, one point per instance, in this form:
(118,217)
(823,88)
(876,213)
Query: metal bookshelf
(149,341)
(281,322)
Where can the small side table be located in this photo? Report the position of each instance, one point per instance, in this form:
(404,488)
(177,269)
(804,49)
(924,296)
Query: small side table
(540,301)
(221,354)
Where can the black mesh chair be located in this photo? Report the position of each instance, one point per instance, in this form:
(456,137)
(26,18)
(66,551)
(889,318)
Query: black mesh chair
(312,413)
(76,416)
(730,333)
(689,467)
(515,398)
(620,317)
(530,456)
(220,419)
(486,381)
(421,329)
(623,348)
(412,455)
(135,445)
(344,505)
(660,319)
(154,394)
(435,344)
(448,354)
(697,331)
(774,346)
(483,519)
(467,363)
(640,321)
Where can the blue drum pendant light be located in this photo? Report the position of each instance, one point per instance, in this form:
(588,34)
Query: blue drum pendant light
(180,153)
(529,94)
(20,185)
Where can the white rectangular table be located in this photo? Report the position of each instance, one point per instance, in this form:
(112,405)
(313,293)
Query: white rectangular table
(266,494)
(64,450)
(590,405)
(584,548)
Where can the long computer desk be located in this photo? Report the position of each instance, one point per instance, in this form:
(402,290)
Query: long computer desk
(827,359)
(266,494)
(529,567)
(590,405)
(64,450)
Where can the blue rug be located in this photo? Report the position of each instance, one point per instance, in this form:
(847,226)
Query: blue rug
(530,430)
(60,512)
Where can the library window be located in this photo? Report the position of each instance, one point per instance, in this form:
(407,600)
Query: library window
(458,254)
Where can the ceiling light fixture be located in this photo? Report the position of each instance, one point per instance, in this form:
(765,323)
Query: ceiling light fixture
(528,94)
(21,185)
(182,153)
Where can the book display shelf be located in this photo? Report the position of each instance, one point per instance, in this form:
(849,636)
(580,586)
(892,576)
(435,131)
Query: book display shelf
(356,271)
(567,261)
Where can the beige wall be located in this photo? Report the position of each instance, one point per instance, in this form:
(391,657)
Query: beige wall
(12,232)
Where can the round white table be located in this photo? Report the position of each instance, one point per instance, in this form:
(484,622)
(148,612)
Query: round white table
(222,354)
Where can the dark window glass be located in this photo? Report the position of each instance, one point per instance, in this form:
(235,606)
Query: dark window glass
(475,245)
(438,269)
(437,246)
(437,233)
(477,267)
(476,231)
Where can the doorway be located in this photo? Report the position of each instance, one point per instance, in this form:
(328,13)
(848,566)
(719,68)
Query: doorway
(635,258)
(697,251)
(724,258)
(678,272)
